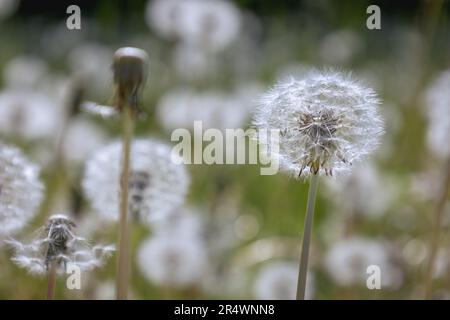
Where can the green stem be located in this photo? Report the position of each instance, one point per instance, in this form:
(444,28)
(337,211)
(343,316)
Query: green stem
(303,268)
(51,282)
(123,258)
(437,225)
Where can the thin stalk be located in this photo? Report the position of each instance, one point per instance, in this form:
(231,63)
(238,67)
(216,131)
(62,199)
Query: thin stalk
(123,258)
(303,268)
(437,225)
(51,282)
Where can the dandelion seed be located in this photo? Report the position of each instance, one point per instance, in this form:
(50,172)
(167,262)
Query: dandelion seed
(57,245)
(157,185)
(327,120)
(20,190)
(97,109)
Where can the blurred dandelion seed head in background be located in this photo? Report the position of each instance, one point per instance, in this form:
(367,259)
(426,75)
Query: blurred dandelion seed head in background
(278,281)
(180,107)
(347,261)
(327,121)
(157,184)
(21,191)
(210,25)
(437,108)
(173,261)
(29,114)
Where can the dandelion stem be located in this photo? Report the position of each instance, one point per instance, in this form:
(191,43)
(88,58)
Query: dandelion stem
(51,281)
(123,254)
(302,272)
(437,224)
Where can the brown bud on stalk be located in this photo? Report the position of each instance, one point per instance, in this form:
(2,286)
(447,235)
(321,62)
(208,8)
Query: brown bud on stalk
(130,73)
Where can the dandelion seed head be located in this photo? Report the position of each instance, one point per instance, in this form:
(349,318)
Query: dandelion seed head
(82,139)
(156,184)
(211,25)
(29,114)
(327,121)
(437,108)
(179,108)
(8,8)
(339,47)
(24,72)
(92,61)
(347,262)
(365,191)
(161,15)
(192,63)
(21,191)
(278,281)
(173,261)
(57,245)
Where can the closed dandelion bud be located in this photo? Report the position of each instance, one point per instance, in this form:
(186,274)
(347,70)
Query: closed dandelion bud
(57,245)
(20,190)
(130,73)
(326,120)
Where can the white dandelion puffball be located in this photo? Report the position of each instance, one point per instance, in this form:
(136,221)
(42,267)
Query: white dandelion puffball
(25,71)
(57,245)
(93,61)
(162,16)
(192,63)
(347,262)
(182,221)
(210,24)
(173,261)
(327,121)
(8,8)
(278,281)
(21,191)
(179,108)
(156,183)
(437,104)
(29,114)
(339,47)
(82,139)
(366,191)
